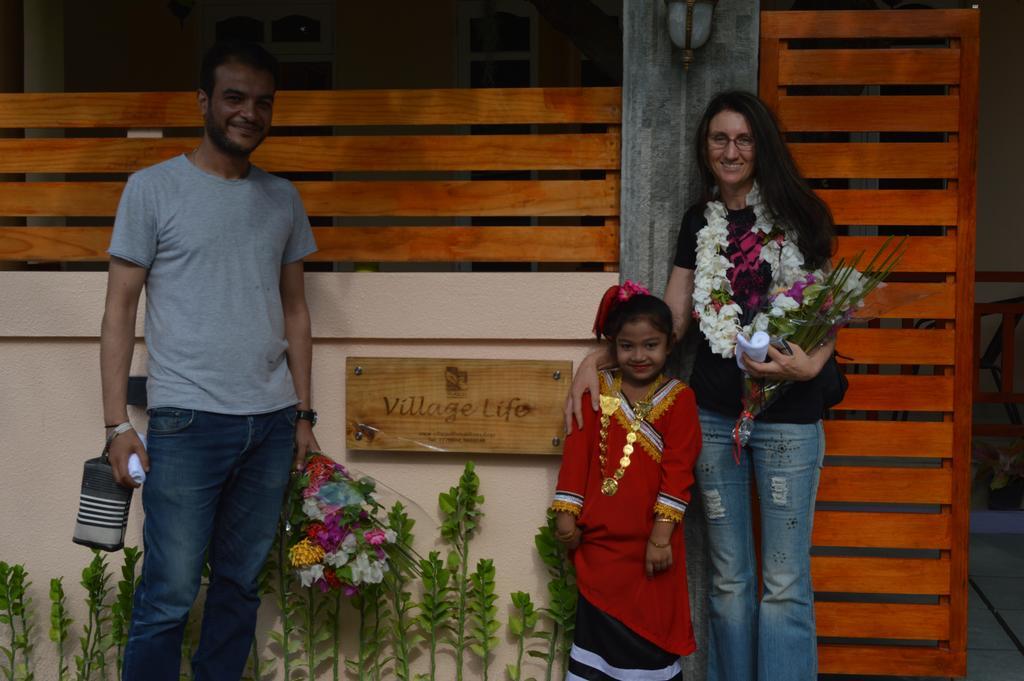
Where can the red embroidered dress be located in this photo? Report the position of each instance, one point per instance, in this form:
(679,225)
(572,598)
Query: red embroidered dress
(610,559)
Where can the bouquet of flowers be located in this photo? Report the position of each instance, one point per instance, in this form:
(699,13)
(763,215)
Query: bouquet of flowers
(809,313)
(337,540)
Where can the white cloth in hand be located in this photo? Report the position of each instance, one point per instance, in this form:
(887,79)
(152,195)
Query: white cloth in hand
(135,470)
(756,347)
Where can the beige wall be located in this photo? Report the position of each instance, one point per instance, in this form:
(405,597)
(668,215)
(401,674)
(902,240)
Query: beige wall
(53,420)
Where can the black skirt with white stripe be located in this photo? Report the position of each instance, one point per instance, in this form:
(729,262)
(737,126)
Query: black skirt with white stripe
(604,649)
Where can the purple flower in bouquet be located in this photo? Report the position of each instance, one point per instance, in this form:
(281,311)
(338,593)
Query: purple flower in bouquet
(796,292)
(332,534)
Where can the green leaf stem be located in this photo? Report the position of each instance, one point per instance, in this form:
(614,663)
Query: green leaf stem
(483,613)
(60,624)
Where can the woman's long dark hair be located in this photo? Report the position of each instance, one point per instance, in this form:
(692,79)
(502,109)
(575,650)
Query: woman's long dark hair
(783,190)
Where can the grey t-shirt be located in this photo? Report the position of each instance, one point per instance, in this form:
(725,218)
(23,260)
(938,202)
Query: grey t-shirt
(214,249)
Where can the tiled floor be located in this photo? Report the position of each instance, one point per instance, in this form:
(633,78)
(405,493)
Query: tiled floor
(995,634)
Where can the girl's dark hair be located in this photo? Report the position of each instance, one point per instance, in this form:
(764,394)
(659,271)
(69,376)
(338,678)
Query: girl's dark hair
(783,190)
(249,54)
(638,306)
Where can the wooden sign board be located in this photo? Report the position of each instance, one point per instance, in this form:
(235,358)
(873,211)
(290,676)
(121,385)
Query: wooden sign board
(456,405)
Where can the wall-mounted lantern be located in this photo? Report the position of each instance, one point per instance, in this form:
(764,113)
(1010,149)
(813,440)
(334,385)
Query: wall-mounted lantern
(689,25)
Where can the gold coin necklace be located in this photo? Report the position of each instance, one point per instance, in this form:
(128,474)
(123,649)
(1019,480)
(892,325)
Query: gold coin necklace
(609,405)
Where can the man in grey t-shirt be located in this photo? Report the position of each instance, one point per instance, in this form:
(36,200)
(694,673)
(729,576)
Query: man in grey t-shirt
(218,245)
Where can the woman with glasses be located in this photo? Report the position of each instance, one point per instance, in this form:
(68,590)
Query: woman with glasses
(757,218)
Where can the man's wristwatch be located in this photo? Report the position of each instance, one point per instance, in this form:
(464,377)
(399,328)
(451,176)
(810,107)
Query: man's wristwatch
(306,415)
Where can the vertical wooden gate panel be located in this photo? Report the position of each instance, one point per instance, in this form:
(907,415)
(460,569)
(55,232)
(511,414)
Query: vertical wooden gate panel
(880,111)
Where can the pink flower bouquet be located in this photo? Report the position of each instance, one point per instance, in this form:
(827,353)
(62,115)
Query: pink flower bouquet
(336,541)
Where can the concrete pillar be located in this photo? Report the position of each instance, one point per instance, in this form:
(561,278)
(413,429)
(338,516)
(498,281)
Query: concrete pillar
(661,106)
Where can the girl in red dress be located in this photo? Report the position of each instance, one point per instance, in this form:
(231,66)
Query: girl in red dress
(621,496)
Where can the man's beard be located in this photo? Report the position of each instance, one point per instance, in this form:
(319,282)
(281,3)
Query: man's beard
(220,139)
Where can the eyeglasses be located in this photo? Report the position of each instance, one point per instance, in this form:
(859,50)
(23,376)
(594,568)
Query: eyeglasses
(721,141)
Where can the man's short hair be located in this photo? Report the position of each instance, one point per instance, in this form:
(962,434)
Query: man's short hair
(222,52)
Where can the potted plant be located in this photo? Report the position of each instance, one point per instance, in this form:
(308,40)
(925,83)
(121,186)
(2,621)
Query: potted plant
(1005,466)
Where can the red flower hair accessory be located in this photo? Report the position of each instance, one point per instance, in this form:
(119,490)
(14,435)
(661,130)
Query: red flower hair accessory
(629,289)
(614,296)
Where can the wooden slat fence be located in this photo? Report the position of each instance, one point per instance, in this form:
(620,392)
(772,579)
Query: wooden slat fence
(880,110)
(514,175)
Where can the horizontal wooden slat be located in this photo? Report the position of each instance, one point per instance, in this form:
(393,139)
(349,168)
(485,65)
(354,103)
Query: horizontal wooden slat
(890,660)
(413,198)
(903,113)
(883,160)
(899,393)
(59,198)
(54,243)
(895,346)
(100,110)
(426,198)
(910,301)
(921,253)
(855,574)
(891,206)
(361,244)
(885,485)
(882,530)
(888,438)
(483,198)
(322,108)
(341,154)
(882,620)
(939,66)
(433,244)
(91,154)
(861,24)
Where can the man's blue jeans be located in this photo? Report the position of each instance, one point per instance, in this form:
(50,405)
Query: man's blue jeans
(214,490)
(774,639)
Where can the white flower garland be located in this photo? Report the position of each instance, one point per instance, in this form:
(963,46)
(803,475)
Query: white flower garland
(712,293)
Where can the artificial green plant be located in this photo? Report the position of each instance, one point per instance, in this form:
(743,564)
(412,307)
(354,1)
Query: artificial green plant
(95,641)
(60,624)
(16,616)
(460,509)
(562,595)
